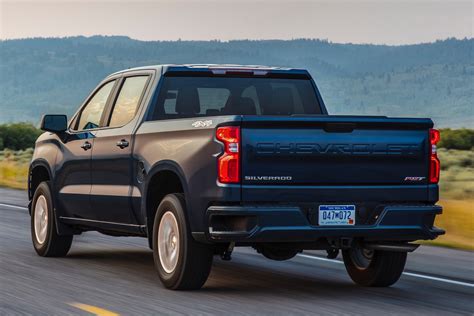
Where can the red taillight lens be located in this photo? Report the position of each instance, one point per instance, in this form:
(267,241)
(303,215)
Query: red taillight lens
(435,165)
(435,136)
(228,165)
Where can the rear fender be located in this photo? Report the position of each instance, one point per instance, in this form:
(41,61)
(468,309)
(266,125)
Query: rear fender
(165,165)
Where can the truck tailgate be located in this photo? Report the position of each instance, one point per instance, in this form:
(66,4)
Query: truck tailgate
(282,152)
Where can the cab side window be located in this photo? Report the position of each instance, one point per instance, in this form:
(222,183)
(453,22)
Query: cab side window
(128,100)
(91,114)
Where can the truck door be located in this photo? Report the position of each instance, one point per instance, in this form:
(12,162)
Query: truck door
(73,173)
(111,164)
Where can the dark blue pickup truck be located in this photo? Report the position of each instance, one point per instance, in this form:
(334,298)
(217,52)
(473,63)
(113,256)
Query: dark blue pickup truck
(200,159)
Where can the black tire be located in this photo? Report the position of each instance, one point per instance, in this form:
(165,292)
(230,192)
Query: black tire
(194,259)
(53,245)
(382,270)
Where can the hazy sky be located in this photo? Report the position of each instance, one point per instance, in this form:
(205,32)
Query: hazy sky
(365,21)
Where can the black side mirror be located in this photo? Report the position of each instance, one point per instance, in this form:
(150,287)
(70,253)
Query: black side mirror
(55,123)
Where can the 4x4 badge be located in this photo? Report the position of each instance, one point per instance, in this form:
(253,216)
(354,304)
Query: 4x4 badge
(206,123)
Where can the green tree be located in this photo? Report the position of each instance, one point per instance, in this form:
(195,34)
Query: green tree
(18,136)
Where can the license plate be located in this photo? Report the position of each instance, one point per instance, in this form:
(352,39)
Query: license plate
(336,215)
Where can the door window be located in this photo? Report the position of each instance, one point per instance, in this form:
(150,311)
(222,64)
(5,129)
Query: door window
(92,112)
(128,100)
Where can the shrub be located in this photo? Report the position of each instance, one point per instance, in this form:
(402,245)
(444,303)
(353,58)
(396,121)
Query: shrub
(462,139)
(18,136)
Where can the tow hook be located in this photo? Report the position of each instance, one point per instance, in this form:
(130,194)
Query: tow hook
(227,254)
(346,243)
(332,253)
(340,243)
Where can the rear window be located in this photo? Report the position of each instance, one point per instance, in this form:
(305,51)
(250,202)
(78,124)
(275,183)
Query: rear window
(210,96)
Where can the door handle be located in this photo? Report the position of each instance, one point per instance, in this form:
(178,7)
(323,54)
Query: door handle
(86,145)
(122,144)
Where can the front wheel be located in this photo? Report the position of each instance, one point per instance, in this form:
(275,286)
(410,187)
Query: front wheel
(182,262)
(46,240)
(374,268)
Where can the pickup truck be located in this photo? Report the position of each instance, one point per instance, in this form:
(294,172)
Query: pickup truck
(200,159)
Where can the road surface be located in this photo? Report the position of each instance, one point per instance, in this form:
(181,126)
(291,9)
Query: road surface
(113,275)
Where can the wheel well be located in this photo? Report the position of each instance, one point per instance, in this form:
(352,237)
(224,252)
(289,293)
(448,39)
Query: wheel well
(162,183)
(38,175)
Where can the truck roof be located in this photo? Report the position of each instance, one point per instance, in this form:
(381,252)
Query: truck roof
(206,67)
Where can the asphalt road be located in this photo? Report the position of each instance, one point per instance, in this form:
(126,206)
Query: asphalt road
(116,275)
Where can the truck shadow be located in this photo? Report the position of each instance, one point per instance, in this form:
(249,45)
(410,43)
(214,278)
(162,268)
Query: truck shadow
(247,274)
(252,274)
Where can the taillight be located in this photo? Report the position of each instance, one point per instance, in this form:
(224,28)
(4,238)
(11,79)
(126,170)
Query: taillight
(435,165)
(228,165)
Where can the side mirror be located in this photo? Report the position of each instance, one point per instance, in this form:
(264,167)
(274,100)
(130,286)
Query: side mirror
(55,123)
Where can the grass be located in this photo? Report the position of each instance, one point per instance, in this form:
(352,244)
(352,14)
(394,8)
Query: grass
(458,221)
(14,168)
(13,174)
(457,198)
(457,174)
(456,191)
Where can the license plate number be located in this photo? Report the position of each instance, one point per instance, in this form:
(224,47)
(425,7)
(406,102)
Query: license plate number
(336,215)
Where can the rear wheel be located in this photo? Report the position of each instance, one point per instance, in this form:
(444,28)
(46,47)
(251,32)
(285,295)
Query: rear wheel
(46,240)
(182,262)
(374,268)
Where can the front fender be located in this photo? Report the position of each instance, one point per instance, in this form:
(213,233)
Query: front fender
(44,156)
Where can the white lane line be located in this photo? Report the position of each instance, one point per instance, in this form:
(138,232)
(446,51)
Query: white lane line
(415,275)
(320,258)
(14,206)
(428,277)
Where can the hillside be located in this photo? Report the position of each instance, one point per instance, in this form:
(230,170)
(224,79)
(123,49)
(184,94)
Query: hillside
(432,80)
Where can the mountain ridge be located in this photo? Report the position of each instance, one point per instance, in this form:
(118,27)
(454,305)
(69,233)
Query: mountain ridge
(431,79)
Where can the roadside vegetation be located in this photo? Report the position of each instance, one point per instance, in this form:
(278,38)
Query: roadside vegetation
(457,198)
(456,153)
(14,168)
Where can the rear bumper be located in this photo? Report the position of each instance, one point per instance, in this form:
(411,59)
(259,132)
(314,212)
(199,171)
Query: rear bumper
(291,224)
